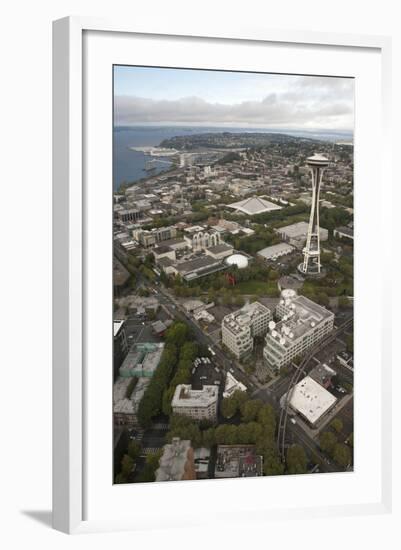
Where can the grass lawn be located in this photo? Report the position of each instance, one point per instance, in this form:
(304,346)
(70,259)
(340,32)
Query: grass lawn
(257,287)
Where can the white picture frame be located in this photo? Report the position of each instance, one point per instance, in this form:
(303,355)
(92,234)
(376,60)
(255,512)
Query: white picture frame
(70,259)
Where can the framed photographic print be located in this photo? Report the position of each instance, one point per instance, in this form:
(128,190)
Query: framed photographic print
(218,208)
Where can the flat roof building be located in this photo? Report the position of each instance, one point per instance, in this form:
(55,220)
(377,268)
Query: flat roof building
(276,251)
(238,329)
(344,232)
(238,461)
(296,234)
(311,400)
(142,360)
(197,404)
(198,267)
(176,462)
(232,385)
(302,323)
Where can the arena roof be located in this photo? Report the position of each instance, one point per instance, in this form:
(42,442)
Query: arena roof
(254,205)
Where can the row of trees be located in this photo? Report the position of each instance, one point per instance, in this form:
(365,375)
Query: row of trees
(187,353)
(339,452)
(175,353)
(256,427)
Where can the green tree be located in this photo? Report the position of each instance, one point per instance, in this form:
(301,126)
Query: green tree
(296,460)
(343,301)
(177,334)
(272,465)
(120,478)
(337,425)
(350,343)
(134,449)
(327,442)
(342,455)
(250,409)
(208,438)
(126,465)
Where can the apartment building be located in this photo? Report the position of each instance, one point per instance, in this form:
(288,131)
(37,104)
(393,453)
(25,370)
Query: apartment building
(197,404)
(238,329)
(302,323)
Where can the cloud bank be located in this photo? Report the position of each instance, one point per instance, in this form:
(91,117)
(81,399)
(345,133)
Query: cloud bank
(307,103)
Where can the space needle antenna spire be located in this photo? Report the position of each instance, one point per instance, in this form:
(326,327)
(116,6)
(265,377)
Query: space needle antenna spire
(311,264)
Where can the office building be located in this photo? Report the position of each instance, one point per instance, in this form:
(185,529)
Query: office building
(238,329)
(302,324)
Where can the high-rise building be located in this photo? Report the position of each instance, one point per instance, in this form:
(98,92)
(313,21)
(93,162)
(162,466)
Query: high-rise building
(311,264)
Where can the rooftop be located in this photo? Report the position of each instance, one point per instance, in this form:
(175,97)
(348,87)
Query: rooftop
(142,360)
(121,404)
(311,400)
(201,262)
(242,318)
(117,324)
(302,315)
(185,396)
(223,247)
(232,385)
(173,460)
(275,249)
(238,461)
(254,205)
(299,229)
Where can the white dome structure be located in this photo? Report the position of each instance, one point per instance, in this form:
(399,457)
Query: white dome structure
(238,260)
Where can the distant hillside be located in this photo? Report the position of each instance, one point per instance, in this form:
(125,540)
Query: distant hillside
(230,140)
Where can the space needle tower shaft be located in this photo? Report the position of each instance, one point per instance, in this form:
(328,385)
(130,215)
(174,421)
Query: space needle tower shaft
(311,264)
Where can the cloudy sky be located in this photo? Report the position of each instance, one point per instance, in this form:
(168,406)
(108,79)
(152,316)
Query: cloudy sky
(146,95)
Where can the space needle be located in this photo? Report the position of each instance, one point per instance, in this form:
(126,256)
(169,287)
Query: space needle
(311,264)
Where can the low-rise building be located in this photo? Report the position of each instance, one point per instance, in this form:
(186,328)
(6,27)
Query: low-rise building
(344,233)
(238,461)
(142,360)
(163,251)
(202,459)
(296,234)
(311,400)
(238,329)
(232,385)
(128,214)
(276,251)
(177,461)
(196,267)
(197,404)
(302,324)
(220,251)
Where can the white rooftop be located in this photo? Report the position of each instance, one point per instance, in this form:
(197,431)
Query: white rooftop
(117,324)
(185,396)
(242,319)
(311,400)
(275,249)
(254,205)
(232,385)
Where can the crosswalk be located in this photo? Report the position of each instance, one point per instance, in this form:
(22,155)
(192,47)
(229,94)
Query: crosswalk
(150,450)
(161,426)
